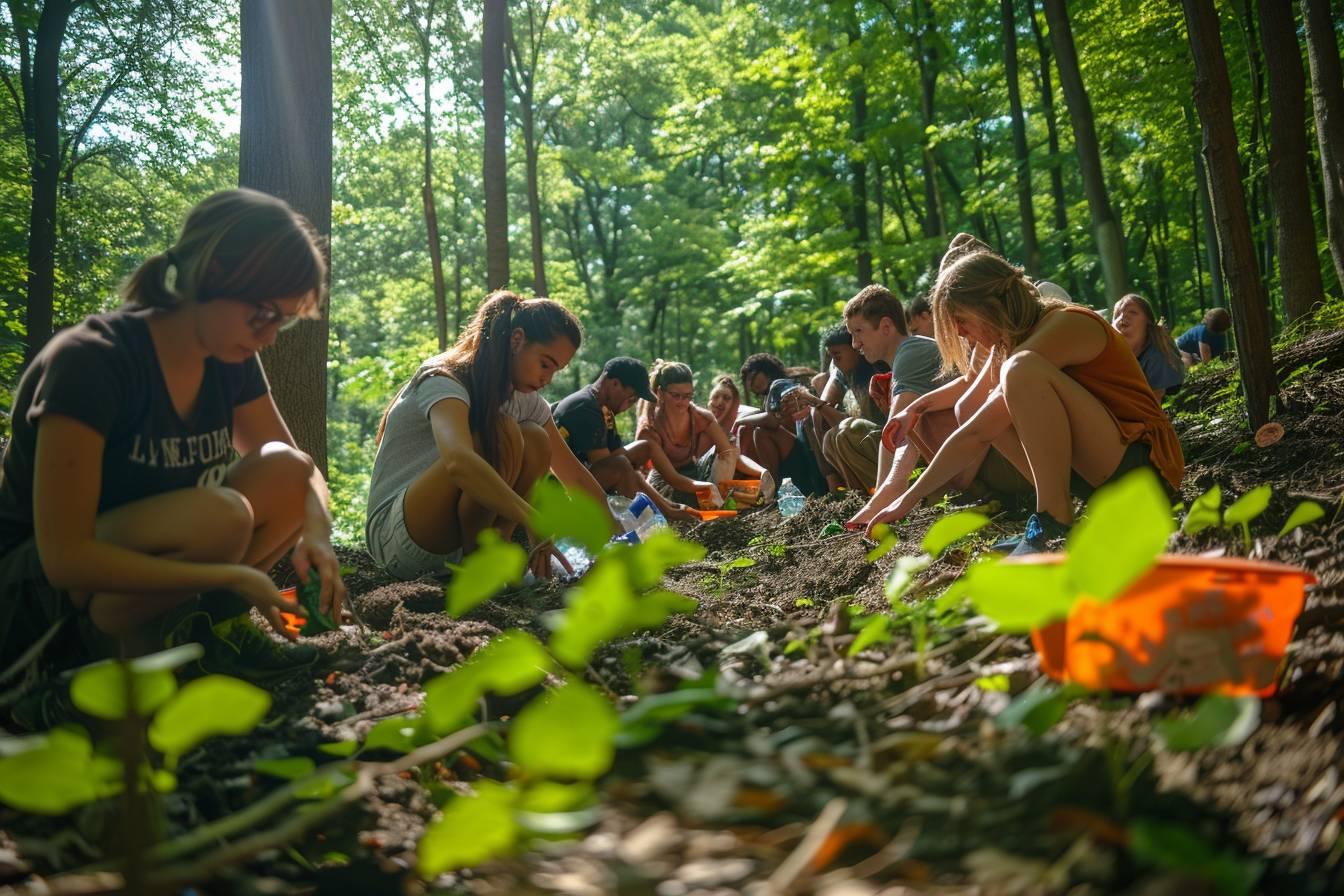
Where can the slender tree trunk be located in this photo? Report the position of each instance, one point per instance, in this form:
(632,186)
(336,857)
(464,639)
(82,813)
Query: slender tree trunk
(495,174)
(1061,208)
(534,200)
(42,109)
(1195,250)
(1206,212)
(1030,249)
(927,53)
(1327,90)
(285,150)
(1299,267)
(858,167)
(431,211)
(1105,225)
(1250,308)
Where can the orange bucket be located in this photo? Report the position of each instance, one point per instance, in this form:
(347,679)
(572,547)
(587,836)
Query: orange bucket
(746,492)
(1188,626)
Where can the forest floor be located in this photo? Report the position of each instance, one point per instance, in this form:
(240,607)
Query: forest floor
(885,773)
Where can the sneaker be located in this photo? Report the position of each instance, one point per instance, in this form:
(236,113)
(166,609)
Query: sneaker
(1041,528)
(239,648)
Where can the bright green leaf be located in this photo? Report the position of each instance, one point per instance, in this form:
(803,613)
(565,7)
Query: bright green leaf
(471,830)
(558,514)
(48,775)
(1019,597)
(739,563)
(400,734)
(995,683)
(565,734)
(1217,721)
(511,663)
(902,576)
(1126,527)
(597,609)
(209,706)
(876,631)
(886,540)
(951,529)
(486,571)
(1206,512)
(662,551)
(100,690)
(289,767)
(1249,506)
(551,796)
(1038,710)
(1303,514)
(342,748)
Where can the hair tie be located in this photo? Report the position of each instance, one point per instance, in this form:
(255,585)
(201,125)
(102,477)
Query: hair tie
(170,272)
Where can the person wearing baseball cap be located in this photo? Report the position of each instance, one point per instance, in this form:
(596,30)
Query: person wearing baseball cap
(587,421)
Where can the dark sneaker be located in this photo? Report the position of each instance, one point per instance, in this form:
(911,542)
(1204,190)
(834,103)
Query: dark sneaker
(239,648)
(1041,528)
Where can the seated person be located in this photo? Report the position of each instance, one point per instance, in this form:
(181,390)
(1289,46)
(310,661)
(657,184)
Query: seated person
(1065,396)
(725,403)
(1207,340)
(686,442)
(850,455)
(769,443)
(919,317)
(126,523)
(461,445)
(1148,338)
(587,420)
(787,410)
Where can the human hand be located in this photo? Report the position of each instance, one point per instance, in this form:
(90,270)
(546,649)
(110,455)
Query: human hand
(314,555)
(682,512)
(539,559)
(893,513)
(255,587)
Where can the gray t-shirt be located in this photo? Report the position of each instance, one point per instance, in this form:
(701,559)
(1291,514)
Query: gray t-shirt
(915,367)
(408,448)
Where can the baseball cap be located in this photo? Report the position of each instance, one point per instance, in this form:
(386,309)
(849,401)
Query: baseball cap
(630,372)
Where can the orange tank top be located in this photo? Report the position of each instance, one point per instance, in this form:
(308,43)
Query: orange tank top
(1117,381)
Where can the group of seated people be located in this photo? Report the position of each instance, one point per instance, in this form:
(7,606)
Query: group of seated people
(150,482)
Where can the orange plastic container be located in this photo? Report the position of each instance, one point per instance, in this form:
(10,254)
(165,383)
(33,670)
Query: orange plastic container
(746,492)
(1190,625)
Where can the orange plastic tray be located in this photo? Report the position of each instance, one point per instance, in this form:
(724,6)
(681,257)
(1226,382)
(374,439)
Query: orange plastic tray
(1190,625)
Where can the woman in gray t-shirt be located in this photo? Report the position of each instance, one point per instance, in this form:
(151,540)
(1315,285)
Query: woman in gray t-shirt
(463,443)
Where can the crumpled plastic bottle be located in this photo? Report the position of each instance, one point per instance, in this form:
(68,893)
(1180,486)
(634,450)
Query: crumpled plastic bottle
(791,500)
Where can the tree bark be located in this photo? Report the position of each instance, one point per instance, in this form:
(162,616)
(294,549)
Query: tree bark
(1061,208)
(1327,90)
(1206,212)
(427,197)
(1299,267)
(1031,251)
(858,167)
(1236,249)
(927,54)
(495,175)
(1105,225)
(523,77)
(285,150)
(42,109)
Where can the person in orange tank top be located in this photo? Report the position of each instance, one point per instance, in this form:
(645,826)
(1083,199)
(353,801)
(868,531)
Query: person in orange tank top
(1066,401)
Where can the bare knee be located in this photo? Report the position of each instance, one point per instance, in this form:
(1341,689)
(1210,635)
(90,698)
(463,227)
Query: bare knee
(222,529)
(509,442)
(1024,371)
(536,446)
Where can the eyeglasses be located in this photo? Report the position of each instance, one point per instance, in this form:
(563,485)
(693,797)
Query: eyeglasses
(265,314)
(679,396)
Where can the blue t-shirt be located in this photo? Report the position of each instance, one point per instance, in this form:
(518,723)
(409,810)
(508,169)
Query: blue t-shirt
(1189,341)
(1158,369)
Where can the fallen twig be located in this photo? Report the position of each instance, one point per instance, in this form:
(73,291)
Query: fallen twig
(789,870)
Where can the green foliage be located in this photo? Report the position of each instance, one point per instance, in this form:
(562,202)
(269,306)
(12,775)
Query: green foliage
(511,663)
(1205,512)
(54,773)
(1303,514)
(1246,508)
(1172,847)
(494,565)
(568,733)
(1038,709)
(310,597)
(952,528)
(1217,721)
(204,708)
(558,512)
(470,830)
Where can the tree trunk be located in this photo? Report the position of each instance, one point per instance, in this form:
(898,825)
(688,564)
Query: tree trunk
(42,109)
(495,174)
(1299,267)
(1236,249)
(431,211)
(927,54)
(1030,250)
(1210,227)
(523,77)
(285,150)
(1105,226)
(1061,208)
(1327,90)
(858,167)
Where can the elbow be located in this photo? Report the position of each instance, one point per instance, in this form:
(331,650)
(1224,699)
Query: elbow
(61,566)
(457,465)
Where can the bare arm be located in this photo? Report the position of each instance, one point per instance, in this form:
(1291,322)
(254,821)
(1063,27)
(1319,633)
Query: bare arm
(574,474)
(448,420)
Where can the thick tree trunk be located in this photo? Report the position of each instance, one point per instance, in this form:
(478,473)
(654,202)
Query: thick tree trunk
(1327,90)
(1031,251)
(285,150)
(42,110)
(1250,308)
(495,174)
(1105,226)
(1299,268)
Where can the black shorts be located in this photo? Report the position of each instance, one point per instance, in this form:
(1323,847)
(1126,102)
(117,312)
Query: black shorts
(1137,455)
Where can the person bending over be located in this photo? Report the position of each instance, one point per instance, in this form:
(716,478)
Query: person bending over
(1067,396)
(462,444)
(125,522)
(1205,340)
(686,442)
(1152,345)
(849,444)
(587,420)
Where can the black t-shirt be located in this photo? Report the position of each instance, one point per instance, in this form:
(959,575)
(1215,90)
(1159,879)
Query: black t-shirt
(585,423)
(105,373)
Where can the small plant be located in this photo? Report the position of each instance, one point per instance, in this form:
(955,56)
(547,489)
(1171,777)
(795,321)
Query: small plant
(1206,512)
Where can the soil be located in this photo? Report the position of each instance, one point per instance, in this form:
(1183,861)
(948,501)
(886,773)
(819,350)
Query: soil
(882,773)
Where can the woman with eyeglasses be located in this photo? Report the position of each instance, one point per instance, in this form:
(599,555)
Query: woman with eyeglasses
(685,440)
(125,519)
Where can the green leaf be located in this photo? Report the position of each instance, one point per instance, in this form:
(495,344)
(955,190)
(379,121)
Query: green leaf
(1038,709)
(1248,506)
(1019,597)
(206,707)
(471,830)
(597,610)
(951,529)
(739,563)
(1303,514)
(877,630)
(994,683)
(663,550)
(558,514)
(551,796)
(1205,512)
(902,576)
(566,734)
(1174,847)
(511,663)
(486,571)
(341,748)
(48,775)
(315,621)
(1126,527)
(100,690)
(886,540)
(289,768)
(400,734)
(1218,721)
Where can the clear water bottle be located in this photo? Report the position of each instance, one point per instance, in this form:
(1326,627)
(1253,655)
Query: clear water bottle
(791,500)
(621,509)
(647,518)
(574,552)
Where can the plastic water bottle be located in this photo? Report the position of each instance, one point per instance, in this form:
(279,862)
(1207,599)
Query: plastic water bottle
(620,508)
(791,500)
(574,552)
(647,518)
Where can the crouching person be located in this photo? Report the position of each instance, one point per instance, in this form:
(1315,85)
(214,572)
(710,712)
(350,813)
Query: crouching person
(125,523)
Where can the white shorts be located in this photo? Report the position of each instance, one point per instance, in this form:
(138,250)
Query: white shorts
(392,547)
